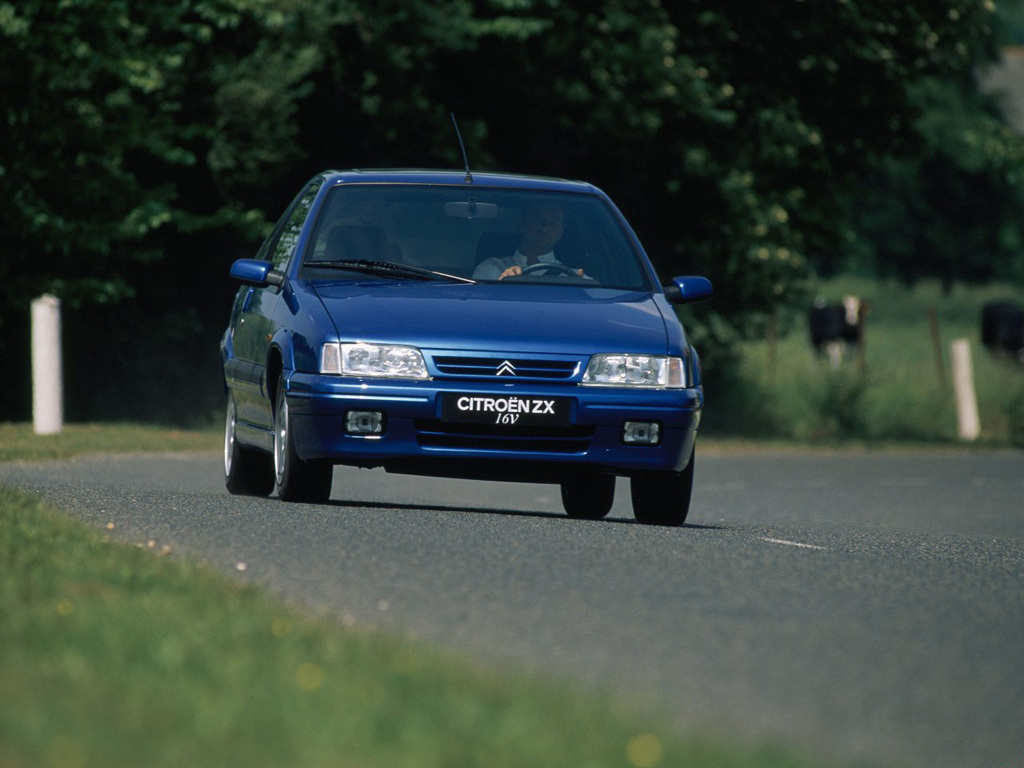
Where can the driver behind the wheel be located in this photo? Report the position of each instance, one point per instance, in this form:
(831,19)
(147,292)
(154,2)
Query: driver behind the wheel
(542,228)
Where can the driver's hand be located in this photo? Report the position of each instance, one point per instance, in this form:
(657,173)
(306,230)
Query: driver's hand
(515,270)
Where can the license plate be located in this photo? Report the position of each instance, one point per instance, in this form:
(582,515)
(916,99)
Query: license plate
(506,410)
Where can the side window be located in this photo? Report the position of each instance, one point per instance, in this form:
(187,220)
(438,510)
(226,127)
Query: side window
(280,246)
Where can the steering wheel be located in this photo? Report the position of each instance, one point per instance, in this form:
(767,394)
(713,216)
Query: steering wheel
(550,266)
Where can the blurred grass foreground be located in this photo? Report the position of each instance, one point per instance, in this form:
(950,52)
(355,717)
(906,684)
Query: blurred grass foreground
(115,656)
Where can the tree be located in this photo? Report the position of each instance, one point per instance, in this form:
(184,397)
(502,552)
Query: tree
(751,142)
(118,162)
(955,211)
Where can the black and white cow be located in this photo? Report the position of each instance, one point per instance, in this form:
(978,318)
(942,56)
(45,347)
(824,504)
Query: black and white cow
(834,327)
(1002,328)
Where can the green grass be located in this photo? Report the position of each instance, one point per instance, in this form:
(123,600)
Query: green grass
(113,656)
(898,394)
(18,442)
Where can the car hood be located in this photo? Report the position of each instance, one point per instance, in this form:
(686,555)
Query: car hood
(497,318)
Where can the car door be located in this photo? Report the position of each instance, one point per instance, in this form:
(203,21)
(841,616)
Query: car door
(254,325)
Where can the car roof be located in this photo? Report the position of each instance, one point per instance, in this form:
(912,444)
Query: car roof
(457,178)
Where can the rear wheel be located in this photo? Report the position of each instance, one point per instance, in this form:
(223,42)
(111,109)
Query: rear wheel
(589,497)
(247,472)
(663,498)
(295,479)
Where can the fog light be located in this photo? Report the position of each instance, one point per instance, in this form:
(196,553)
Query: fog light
(641,433)
(364,422)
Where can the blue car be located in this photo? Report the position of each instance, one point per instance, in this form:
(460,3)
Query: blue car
(482,326)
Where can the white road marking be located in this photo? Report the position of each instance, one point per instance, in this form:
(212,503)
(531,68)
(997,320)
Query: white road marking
(735,485)
(792,543)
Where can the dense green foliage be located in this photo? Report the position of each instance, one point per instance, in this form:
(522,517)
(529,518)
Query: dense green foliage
(146,146)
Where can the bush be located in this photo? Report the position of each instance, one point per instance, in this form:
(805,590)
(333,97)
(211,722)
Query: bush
(836,401)
(1015,418)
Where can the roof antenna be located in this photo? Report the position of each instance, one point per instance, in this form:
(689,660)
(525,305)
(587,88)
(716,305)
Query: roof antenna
(465,157)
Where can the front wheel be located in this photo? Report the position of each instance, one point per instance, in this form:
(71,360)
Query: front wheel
(588,497)
(663,498)
(295,479)
(247,472)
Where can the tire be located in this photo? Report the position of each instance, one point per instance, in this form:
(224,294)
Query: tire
(295,479)
(663,498)
(589,497)
(247,472)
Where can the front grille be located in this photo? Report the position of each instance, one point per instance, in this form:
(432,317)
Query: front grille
(432,433)
(511,368)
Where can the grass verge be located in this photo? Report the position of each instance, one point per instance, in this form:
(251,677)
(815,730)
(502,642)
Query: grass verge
(899,392)
(19,443)
(113,656)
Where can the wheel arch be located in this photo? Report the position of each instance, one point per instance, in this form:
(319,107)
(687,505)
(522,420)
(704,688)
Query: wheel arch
(280,358)
(275,367)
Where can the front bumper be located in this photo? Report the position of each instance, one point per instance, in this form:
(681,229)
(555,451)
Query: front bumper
(417,440)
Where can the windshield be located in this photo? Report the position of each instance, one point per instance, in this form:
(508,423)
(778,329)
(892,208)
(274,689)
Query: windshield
(477,233)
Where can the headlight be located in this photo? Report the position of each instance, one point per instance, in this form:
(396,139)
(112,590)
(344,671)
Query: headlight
(635,371)
(382,360)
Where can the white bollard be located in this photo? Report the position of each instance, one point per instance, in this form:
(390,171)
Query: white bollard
(963,384)
(47,373)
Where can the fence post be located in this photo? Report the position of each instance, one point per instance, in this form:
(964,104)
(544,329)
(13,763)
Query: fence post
(940,367)
(47,369)
(969,425)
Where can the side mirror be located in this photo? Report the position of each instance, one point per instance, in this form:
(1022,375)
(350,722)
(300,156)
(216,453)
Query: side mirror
(687,290)
(256,272)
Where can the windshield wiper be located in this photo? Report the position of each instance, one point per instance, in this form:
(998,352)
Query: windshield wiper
(388,267)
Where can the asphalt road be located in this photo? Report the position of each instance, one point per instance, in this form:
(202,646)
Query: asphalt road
(858,607)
